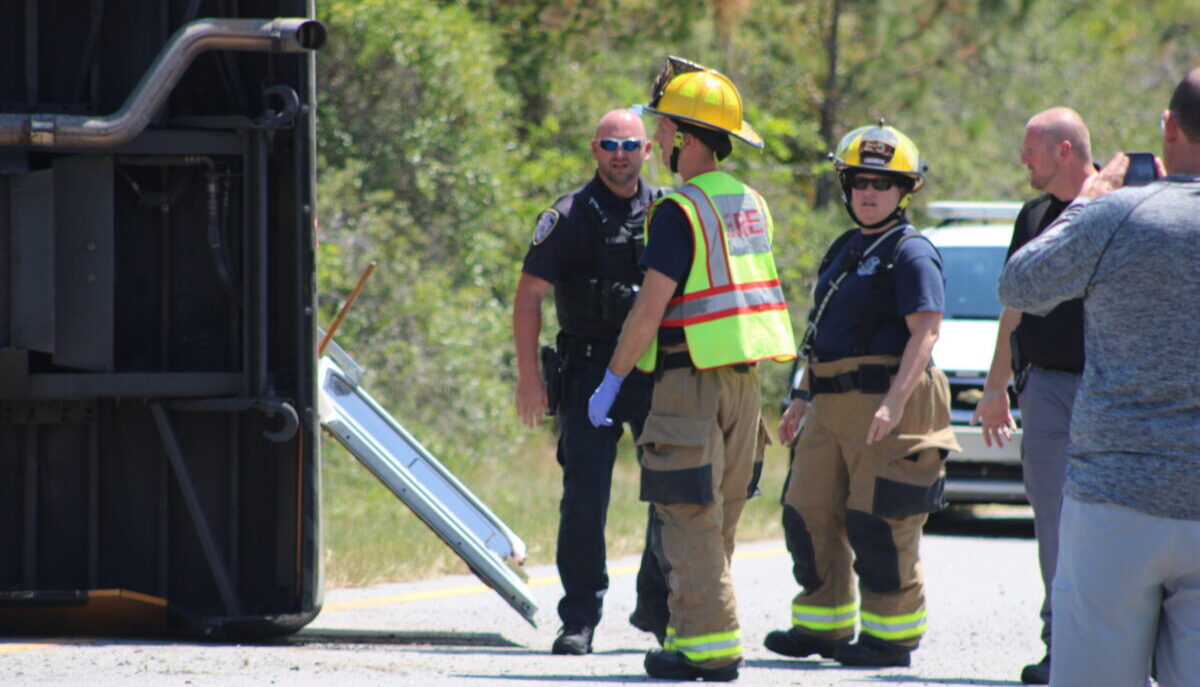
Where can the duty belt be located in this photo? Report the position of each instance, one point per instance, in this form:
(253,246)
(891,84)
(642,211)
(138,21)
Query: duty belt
(574,348)
(869,379)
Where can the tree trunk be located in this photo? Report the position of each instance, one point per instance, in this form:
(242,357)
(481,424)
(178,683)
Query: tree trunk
(830,105)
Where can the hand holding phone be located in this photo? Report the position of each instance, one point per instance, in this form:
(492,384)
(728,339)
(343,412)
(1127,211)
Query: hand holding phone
(1142,169)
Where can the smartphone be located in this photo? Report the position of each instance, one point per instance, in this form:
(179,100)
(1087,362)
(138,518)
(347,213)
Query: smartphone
(1142,169)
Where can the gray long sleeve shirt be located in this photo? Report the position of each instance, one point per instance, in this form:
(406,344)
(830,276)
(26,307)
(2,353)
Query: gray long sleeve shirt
(1133,255)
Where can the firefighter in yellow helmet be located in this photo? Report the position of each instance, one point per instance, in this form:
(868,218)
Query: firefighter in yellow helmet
(867,467)
(709,309)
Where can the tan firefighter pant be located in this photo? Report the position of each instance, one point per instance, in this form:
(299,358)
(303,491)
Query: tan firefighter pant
(702,450)
(852,508)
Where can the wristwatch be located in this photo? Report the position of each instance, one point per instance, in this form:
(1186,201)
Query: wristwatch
(801,393)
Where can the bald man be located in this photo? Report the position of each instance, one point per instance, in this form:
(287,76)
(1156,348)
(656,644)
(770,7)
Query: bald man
(587,245)
(1057,151)
(1127,585)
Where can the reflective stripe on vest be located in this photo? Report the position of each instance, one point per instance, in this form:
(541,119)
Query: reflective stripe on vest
(705,647)
(718,270)
(823,618)
(894,627)
(732,309)
(712,304)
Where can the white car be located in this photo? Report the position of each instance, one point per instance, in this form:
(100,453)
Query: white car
(973,239)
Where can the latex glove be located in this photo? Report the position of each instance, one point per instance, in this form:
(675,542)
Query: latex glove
(602,399)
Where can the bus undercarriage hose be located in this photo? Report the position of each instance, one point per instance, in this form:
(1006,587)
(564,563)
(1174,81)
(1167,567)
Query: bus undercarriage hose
(50,130)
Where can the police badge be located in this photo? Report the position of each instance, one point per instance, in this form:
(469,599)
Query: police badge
(545,224)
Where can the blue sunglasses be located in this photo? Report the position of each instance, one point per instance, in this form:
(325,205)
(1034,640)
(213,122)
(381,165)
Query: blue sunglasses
(629,145)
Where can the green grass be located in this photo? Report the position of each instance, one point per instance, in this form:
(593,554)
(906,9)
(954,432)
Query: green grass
(370,536)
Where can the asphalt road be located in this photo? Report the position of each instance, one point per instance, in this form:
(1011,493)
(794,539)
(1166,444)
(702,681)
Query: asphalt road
(983,595)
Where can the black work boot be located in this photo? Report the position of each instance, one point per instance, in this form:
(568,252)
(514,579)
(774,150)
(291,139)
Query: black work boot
(573,639)
(643,622)
(672,665)
(794,643)
(1037,673)
(868,651)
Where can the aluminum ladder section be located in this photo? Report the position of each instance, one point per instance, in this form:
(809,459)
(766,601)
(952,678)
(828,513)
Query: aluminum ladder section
(418,479)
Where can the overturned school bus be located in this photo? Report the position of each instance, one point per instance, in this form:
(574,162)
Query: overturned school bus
(159,422)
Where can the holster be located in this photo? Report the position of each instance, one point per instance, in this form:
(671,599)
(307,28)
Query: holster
(1020,366)
(553,378)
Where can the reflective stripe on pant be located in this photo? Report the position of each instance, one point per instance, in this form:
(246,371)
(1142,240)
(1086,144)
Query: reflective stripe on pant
(1046,403)
(894,628)
(817,619)
(715,648)
(700,444)
(853,513)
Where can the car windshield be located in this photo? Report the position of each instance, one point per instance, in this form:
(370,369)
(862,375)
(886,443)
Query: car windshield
(972,273)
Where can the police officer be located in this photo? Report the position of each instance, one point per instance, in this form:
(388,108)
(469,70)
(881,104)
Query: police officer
(587,246)
(867,468)
(710,308)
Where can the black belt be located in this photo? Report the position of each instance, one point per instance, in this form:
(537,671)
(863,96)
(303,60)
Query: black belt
(869,379)
(584,349)
(1056,368)
(680,359)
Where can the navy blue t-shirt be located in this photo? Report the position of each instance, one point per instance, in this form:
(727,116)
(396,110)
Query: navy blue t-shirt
(669,251)
(917,286)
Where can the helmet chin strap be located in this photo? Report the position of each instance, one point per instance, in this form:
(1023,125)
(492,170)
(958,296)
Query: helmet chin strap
(676,143)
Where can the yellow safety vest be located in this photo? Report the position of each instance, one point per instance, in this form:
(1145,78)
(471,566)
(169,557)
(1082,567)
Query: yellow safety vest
(732,309)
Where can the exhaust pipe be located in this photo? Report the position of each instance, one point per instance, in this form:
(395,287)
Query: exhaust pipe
(45,131)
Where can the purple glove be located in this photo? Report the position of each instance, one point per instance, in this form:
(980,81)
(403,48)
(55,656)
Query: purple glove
(602,399)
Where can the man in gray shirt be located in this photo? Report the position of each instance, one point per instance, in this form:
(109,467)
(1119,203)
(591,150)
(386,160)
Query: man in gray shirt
(1128,580)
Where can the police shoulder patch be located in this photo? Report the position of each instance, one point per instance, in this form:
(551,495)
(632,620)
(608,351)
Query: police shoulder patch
(545,224)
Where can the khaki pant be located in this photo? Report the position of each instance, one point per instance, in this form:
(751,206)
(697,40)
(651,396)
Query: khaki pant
(852,508)
(702,450)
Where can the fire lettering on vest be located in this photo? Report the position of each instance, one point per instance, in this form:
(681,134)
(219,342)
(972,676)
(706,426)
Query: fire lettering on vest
(745,223)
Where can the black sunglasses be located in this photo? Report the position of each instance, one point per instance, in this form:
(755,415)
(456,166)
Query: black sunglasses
(629,145)
(860,183)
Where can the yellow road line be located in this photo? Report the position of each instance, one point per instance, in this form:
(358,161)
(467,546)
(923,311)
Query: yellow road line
(17,647)
(541,581)
(404,598)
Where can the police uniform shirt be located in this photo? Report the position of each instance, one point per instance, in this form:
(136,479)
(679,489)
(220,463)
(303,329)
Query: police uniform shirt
(1053,341)
(917,285)
(562,242)
(669,252)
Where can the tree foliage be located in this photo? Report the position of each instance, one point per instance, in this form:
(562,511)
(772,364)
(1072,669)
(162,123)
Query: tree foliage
(446,126)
